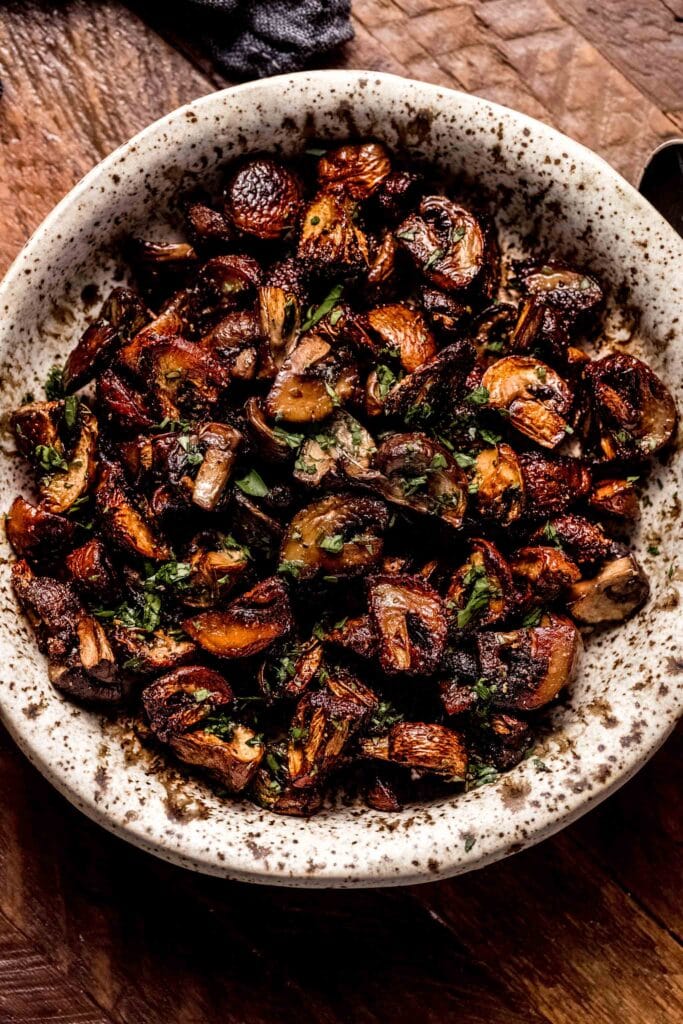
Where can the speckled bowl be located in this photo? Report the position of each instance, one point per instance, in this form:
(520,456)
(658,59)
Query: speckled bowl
(627,697)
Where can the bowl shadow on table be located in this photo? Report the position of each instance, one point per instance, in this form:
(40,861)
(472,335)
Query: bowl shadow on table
(150,941)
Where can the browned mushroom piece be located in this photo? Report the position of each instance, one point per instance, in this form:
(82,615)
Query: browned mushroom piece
(409,619)
(420,474)
(290,668)
(339,536)
(72,477)
(231,755)
(81,662)
(313,380)
(167,326)
(403,332)
(224,283)
(354,635)
(235,341)
(216,567)
(219,444)
(90,568)
(124,524)
(571,292)
(552,485)
(615,498)
(262,198)
(382,262)
(436,383)
(183,376)
(532,395)
(421,745)
(319,735)
(330,238)
(342,683)
(144,654)
(357,171)
(491,331)
(344,450)
(505,742)
(448,317)
(543,328)
(526,668)
(37,424)
(586,543)
(543,573)
(160,254)
(385,789)
(120,405)
(480,591)
(255,527)
(455,250)
(252,623)
(280,320)
(619,589)
(398,193)
(634,412)
(36,534)
(96,347)
(181,699)
(272,788)
(206,226)
(126,312)
(499,483)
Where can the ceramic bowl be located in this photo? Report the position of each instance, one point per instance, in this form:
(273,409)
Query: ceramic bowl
(626,699)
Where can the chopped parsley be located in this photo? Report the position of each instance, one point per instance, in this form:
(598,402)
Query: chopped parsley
(478,396)
(481,590)
(290,568)
(50,460)
(434,258)
(252,484)
(290,439)
(333,543)
(54,383)
(71,404)
(316,313)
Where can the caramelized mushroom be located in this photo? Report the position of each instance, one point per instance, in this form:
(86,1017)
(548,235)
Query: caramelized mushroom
(339,536)
(618,590)
(409,619)
(354,635)
(219,444)
(526,668)
(422,745)
(247,626)
(290,669)
(96,347)
(615,498)
(280,321)
(451,247)
(312,381)
(544,573)
(36,424)
(120,405)
(345,449)
(185,377)
(535,398)
(571,292)
(480,592)
(272,788)
(330,237)
(500,491)
(91,570)
(123,522)
(319,735)
(181,699)
(505,742)
(215,569)
(436,383)
(36,534)
(552,485)
(262,198)
(634,412)
(235,341)
(357,171)
(231,757)
(62,488)
(207,226)
(420,474)
(585,542)
(403,331)
(150,653)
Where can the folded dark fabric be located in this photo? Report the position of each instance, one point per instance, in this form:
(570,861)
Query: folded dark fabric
(255,38)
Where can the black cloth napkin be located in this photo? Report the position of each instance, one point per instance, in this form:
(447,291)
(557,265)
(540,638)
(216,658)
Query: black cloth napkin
(255,38)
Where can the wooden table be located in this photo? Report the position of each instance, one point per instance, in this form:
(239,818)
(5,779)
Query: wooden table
(584,929)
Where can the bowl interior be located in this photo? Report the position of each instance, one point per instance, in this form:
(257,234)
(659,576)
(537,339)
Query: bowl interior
(549,192)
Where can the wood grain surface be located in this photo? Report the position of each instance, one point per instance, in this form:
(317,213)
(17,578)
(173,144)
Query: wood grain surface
(584,929)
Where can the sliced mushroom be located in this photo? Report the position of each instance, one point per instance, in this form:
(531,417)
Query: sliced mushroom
(235,341)
(150,653)
(36,424)
(224,283)
(453,249)
(167,326)
(586,543)
(280,321)
(37,534)
(120,405)
(219,444)
(500,492)
(262,198)
(552,485)
(59,490)
(543,573)
(96,347)
(181,699)
(290,669)
(409,619)
(216,568)
(155,254)
(232,758)
(437,383)
(398,193)
(255,527)
(330,237)
(247,626)
(382,262)
(480,591)
(312,381)
(422,745)
(505,742)
(385,790)
(319,735)
(449,318)
(123,522)
(339,536)
(634,412)
(184,377)
(619,589)
(526,668)
(272,788)
(345,685)
(457,690)
(615,498)
(533,395)
(355,635)
(403,332)
(543,328)
(344,450)
(357,171)
(91,571)
(571,292)
(420,474)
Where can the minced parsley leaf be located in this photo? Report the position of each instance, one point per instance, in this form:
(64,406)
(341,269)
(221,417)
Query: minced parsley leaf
(316,313)
(54,383)
(333,543)
(252,484)
(49,459)
(290,439)
(478,396)
(71,404)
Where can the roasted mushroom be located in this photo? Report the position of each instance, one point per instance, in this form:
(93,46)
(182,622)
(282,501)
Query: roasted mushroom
(36,534)
(437,383)
(229,752)
(184,377)
(68,479)
(273,790)
(290,669)
(552,485)
(247,626)
(313,380)
(420,474)
(505,742)
(570,292)
(357,171)
(342,452)
(618,590)
(585,542)
(90,568)
(543,573)
(409,619)
(280,322)
(533,396)
(403,332)
(330,238)
(422,745)
(219,444)
(180,700)
(123,522)
(262,198)
(339,536)
(148,653)
(615,498)
(321,729)
(480,592)
(499,485)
